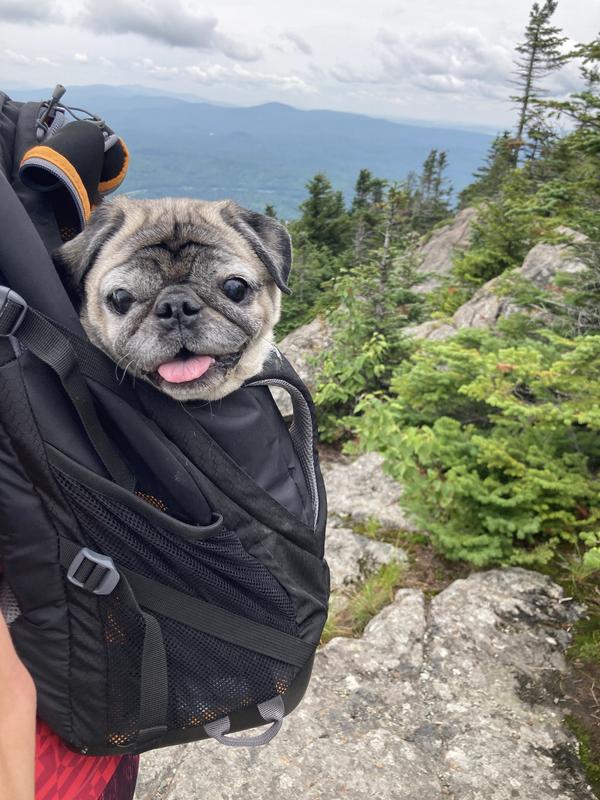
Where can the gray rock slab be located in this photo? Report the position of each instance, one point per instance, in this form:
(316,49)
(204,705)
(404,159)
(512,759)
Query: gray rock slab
(432,329)
(494,657)
(544,260)
(360,489)
(452,701)
(352,557)
(486,307)
(437,254)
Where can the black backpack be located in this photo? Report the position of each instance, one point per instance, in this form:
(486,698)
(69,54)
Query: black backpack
(163,563)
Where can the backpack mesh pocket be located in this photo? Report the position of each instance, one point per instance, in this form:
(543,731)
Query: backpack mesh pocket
(207,677)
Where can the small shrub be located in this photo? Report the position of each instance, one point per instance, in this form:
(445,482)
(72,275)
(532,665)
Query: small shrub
(373,302)
(496,444)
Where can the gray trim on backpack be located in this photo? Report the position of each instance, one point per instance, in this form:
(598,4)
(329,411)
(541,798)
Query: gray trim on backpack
(301,433)
(9,607)
(271,711)
(61,177)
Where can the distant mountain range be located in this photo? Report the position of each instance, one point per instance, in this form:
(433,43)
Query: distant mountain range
(262,154)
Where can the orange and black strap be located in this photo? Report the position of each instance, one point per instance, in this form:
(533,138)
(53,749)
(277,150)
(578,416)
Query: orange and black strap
(114,168)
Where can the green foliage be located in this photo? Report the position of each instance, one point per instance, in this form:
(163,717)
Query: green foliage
(324,220)
(571,303)
(561,185)
(446,299)
(504,232)
(429,199)
(490,177)
(496,443)
(314,267)
(537,56)
(370,304)
(366,213)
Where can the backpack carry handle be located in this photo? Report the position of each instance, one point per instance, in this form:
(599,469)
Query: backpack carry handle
(271,711)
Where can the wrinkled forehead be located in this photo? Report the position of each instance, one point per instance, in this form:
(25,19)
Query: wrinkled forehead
(174,227)
(155,266)
(173,246)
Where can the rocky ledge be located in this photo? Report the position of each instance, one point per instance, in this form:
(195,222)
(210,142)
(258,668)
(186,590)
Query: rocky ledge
(459,698)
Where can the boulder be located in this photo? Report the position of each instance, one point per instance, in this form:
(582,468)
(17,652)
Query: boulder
(434,329)
(361,490)
(486,307)
(437,254)
(544,260)
(460,700)
(352,557)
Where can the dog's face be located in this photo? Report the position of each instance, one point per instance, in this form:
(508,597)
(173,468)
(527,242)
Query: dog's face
(183,293)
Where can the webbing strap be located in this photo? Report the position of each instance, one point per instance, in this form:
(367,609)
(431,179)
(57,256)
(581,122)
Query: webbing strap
(154,686)
(225,625)
(218,622)
(46,342)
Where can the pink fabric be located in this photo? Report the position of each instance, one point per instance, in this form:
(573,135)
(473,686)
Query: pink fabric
(61,774)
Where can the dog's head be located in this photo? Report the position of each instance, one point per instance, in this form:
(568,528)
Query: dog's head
(183,293)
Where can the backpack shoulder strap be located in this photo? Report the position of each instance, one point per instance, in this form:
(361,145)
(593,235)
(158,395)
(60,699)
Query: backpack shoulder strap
(47,342)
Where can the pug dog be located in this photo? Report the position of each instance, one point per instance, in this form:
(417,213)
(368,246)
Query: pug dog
(182,293)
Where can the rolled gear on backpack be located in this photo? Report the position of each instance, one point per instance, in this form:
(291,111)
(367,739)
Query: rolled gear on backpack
(164,564)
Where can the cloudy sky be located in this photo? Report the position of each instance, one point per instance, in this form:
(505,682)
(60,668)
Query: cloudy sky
(417,59)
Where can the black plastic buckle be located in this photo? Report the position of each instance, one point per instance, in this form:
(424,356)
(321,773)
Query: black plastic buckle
(8,325)
(97,573)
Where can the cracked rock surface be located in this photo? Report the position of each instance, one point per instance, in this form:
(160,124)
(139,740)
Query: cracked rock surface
(457,699)
(352,557)
(437,254)
(486,307)
(360,489)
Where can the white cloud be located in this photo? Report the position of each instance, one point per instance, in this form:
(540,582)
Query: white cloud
(455,59)
(428,60)
(45,61)
(31,13)
(81,58)
(158,70)
(17,58)
(24,60)
(169,22)
(299,42)
(234,74)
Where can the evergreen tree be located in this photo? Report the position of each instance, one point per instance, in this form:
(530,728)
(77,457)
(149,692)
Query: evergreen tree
(324,220)
(368,191)
(537,56)
(489,178)
(430,202)
(366,212)
(270,211)
(584,107)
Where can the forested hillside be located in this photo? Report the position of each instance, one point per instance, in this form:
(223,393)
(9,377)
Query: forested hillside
(493,430)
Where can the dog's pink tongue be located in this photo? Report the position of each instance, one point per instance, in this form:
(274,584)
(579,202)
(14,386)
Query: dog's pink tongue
(182,370)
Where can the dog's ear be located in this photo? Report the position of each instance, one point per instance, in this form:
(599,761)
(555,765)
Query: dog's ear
(267,237)
(76,257)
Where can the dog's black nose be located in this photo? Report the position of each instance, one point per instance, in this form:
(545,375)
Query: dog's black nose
(178,308)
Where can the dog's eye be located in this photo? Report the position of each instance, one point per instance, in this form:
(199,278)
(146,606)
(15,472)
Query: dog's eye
(235,289)
(121,301)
